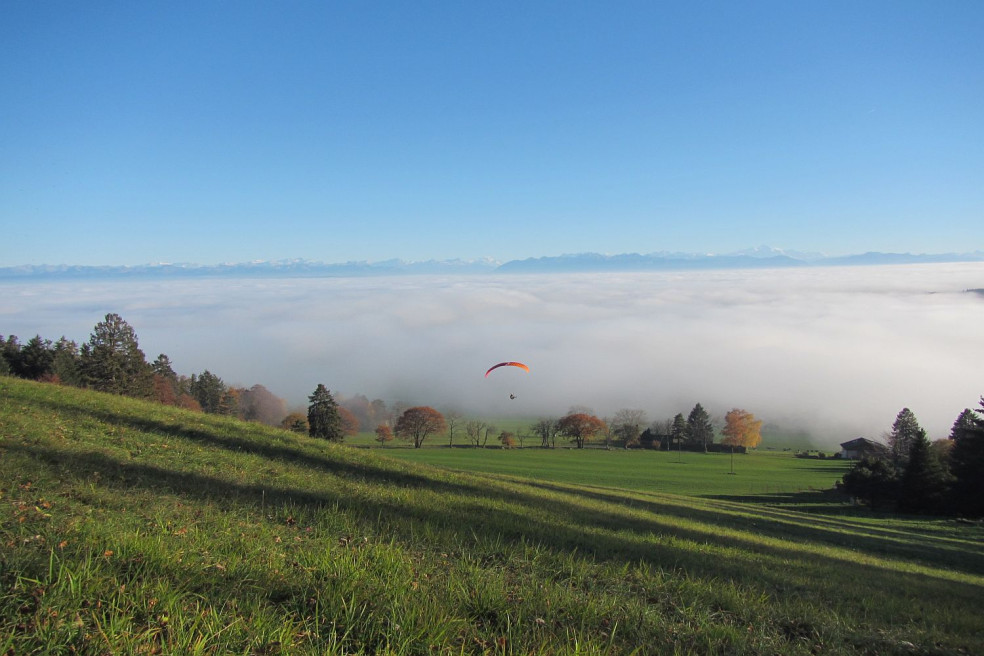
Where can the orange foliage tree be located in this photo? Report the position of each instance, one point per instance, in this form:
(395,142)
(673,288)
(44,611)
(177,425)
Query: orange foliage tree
(580,427)
(383,434)
(741,428)
(350,425)
(415,424)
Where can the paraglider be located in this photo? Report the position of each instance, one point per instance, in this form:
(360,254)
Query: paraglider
(519,365)
(507,364)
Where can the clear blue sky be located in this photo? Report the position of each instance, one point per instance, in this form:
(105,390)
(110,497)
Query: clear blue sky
(134,132)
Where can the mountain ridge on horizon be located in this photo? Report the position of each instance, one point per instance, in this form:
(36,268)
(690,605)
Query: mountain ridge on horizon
(757,257)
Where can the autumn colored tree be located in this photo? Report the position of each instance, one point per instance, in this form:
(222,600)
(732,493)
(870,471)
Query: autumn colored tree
(324,420)
(165,381)
(741,428)
(260,404)
(507,439)
(580,427)
(419,422)
(295,422)
(229,402)
(350,424)
(383,434)
(112,361)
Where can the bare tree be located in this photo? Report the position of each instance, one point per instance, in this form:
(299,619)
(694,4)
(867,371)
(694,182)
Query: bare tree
(546,430)
(452,418)
(627,425)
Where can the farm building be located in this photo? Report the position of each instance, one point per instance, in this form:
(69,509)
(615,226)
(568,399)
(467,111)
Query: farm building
(861,446)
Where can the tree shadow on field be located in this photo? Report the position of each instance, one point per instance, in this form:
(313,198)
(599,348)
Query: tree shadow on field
(569,521)
(823,502)
(284,452)
(803,529)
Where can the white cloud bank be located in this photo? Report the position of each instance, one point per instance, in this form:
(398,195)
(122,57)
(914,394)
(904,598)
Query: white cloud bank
(837,351)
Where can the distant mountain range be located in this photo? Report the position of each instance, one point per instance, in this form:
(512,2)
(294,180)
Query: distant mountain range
(763,257)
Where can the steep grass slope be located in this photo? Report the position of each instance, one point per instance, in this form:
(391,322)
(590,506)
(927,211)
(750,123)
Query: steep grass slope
(129,527)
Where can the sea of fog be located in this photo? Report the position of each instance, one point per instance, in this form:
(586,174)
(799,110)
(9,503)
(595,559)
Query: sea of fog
(835,351)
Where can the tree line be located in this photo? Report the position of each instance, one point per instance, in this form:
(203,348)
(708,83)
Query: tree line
(914,475)
(909,474)
(112,361)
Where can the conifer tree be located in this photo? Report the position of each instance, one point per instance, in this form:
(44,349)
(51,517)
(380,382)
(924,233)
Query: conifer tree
(324,420)
(923,484)
(112,360)
(66,362)
(209,390)
(905,432)
(700,430)
(679,430)
(967,463)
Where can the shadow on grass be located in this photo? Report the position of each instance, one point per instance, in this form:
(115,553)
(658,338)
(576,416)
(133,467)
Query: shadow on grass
(605,535)
(605,526)
(795,528)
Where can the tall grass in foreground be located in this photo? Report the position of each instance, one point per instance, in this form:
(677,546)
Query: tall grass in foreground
(134,528)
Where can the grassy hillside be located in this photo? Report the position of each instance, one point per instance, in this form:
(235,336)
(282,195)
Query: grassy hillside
(134,528)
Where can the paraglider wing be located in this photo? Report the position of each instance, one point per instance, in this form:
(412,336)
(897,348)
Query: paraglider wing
(507,364)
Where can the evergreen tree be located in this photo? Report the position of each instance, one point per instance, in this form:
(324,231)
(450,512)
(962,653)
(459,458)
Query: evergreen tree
(36,358)
(112,360)
(905,432)
(678,431)
(66,362)
(324,420)
(700,430)
(923,483)
(9,355)
(208,389)
(162,367)
(872,480)
(967,463)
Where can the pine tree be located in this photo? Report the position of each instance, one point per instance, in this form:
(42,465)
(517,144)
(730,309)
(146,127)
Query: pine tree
(324,420)
(66,363)
(905,432)
(923,484)
(112,360)
(967,463)
(208,389)
(700,430)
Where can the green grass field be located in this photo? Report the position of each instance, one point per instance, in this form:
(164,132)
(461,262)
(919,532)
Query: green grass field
(698,474)
(133,528)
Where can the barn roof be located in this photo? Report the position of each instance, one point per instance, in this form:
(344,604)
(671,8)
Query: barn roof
(861,443)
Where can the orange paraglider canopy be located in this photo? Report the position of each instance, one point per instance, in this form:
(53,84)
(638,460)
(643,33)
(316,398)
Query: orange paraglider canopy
(507,364)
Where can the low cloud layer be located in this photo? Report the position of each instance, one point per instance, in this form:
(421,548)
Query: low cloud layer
(835,351)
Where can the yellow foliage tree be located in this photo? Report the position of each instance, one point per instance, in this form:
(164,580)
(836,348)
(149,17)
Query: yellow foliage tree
(741,428)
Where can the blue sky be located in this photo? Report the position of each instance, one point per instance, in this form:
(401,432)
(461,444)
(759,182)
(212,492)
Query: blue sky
(234,131)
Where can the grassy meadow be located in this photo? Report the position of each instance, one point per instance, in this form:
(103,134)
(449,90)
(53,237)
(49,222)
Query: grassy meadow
(133,528)
(697,474)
